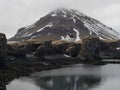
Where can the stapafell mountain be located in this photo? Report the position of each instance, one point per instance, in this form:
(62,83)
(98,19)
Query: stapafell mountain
(61,22)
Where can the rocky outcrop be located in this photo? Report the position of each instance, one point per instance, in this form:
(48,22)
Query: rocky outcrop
(45,49)
(3,50)
(90,48)
(60,46)
(18,50)
(73,49)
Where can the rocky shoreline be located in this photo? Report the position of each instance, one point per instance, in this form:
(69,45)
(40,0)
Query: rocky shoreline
(23,58)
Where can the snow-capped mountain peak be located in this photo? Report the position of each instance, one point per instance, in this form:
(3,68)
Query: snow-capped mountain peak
(61,22)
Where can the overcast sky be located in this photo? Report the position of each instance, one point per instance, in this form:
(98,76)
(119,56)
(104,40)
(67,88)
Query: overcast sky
(15,14)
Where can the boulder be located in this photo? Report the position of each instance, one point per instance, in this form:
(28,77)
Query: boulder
(3,50)
(90,49)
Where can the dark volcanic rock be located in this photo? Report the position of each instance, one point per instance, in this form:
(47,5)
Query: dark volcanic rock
(3,50)
(73,50)
(45,49)
(21,50)
(17,51)
(90,48)
(60,46)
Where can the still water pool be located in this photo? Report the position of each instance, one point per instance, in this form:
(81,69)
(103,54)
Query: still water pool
(76,77)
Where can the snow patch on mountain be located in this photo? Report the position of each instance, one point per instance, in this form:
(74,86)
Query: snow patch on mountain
(54,14)
(27,34)
(48,25)
(77,34)
(101,38)
(62,38)
(64,16)
(73,18)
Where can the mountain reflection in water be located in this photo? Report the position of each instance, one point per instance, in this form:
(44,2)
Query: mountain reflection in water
(56,83)
(72,78)
(68,82)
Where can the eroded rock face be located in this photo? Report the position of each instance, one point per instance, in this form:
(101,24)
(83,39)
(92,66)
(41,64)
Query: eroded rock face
(3,50)
(90,48)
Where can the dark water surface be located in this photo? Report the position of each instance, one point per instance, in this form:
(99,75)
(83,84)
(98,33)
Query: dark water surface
(76,77)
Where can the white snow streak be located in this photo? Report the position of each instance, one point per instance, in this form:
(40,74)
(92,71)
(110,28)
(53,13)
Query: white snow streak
(48,25)
(77,34)
(64,16)
(62,38)
(54,14)
(27,34)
